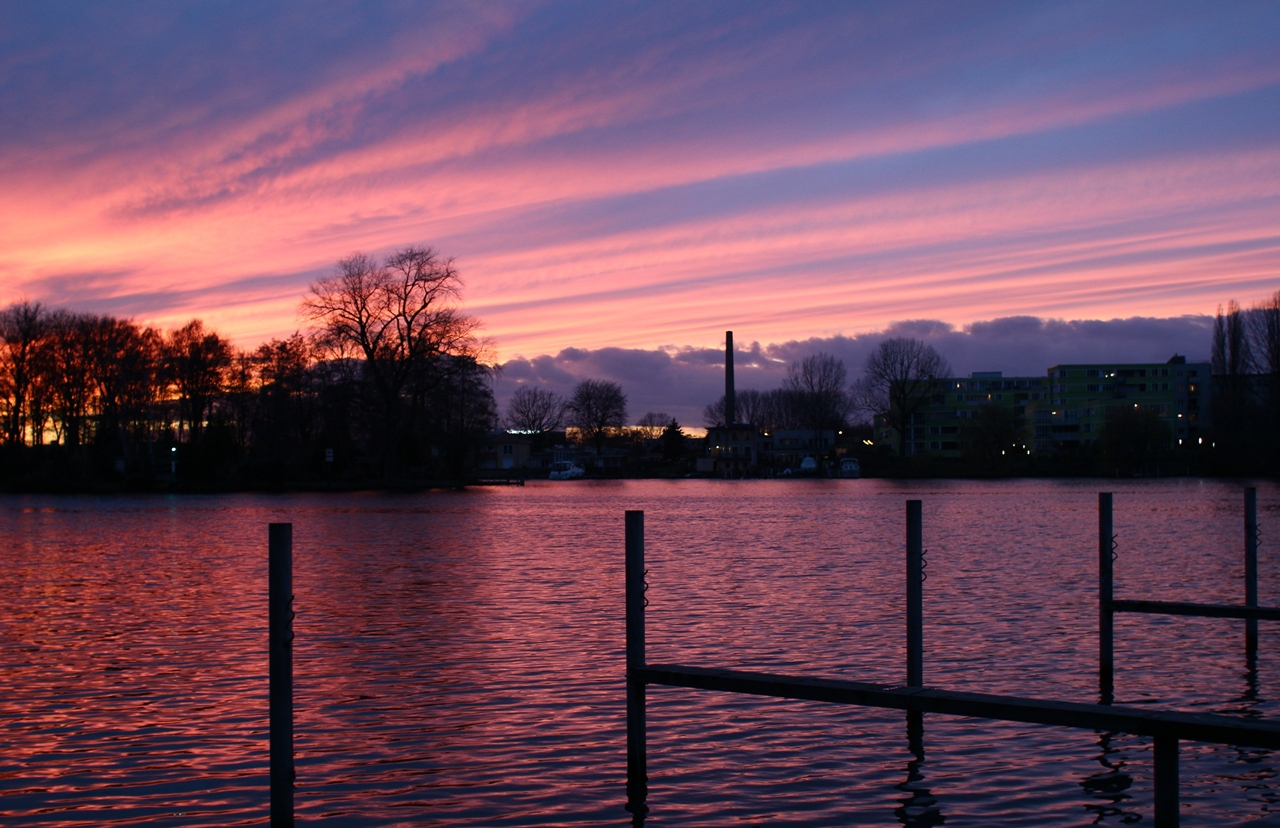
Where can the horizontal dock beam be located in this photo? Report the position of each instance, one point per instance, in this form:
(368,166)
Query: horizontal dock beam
(1202,610)
(1196,727)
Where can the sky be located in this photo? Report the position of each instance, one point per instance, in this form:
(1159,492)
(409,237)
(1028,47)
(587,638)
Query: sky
(620,183)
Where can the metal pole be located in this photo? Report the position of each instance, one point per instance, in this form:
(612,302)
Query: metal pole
(1106,652)
(1251,566)
(637,764)
(915,595)
(280,634)
(1165,752)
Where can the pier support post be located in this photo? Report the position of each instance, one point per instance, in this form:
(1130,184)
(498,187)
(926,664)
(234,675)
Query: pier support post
(1106,652)
(1251,568)
(915,595)
(915,620)
(280,636)
(637,763)
(1165,750)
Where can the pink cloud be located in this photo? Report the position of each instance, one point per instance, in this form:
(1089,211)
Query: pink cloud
(226,208)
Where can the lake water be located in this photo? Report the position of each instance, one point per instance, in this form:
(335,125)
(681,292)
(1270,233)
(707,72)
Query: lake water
(459,656)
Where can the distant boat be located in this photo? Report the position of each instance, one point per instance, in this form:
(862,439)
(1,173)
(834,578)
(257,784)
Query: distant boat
(850,468)
(566,471)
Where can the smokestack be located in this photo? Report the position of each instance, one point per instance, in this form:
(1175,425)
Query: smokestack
(730,404)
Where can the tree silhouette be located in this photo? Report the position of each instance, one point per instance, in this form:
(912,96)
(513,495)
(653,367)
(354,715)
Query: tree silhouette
(817,386)
(653,424)
(535,410)
(900,378)
(196,361)
(22,328)
(398,316)
(596,407)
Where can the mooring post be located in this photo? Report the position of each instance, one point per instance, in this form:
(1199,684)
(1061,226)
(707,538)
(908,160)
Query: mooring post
(1251,566)
(915,620)
(1165,750)
(280,635)
(637,770)
(1106,548)
(915,596)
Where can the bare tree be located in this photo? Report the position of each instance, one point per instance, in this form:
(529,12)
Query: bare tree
(713,414)
(1264,319)
(751,407)
(1231,353)
(397,316)
(1232,363)
(196,361)
(125,362)
(22,327)
(817,385)
(596,407)
(900,378)
(535,409)
(458,410)
(653,423)
(69,371)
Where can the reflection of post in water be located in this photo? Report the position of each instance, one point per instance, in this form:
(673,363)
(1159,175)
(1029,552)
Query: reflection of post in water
(1251,574)
(1250,695)
(1250,702)
(919,808)
(1108,786)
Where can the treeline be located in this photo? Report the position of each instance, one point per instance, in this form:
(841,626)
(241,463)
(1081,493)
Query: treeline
(1246,387)
(813,396)
(902,377)
(388,384)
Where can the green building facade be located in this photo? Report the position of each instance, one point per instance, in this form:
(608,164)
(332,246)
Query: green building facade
(1083,397)
(1062,412)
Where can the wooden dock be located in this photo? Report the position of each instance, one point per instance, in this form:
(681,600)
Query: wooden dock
(1165,727)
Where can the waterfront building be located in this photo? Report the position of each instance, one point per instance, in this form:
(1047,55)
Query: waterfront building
(946,425)
(504,450)
(1062,412)
(1083,396)
(734,449)
(787,448)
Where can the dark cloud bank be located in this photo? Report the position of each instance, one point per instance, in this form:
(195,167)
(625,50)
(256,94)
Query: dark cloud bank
(681,381)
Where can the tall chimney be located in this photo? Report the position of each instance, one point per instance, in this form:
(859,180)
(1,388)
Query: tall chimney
(730,403)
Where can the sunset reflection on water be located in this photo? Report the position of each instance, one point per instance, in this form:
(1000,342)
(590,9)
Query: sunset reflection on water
(459,655)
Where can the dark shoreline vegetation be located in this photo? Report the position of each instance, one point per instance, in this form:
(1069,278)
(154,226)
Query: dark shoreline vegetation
(389,384)
(389,387)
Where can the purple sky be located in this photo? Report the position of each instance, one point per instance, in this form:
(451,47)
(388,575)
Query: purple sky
(644,177)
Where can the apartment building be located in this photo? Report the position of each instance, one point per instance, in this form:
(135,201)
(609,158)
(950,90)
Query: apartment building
(1062,412)
(940,427)
(1082,397)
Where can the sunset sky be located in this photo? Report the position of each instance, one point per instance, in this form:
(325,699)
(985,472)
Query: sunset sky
(645,176)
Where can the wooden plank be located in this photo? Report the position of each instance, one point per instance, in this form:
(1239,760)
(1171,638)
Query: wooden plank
(1200,610)
(1197,727)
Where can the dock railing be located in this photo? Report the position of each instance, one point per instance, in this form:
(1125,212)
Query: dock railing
(1165,727)
(1108,605)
